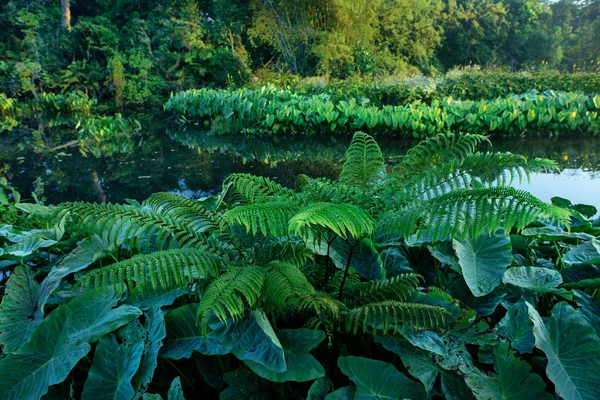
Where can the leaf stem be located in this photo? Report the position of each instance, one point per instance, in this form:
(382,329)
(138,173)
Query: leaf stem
(341,295)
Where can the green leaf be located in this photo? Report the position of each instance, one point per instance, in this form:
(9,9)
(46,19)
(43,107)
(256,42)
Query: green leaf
(175,390)
(20,311)
(573,350)
(319,389)
(379,380)
(252,339)
(59,342)
(243,384)
(483,261)
(152,334)
(211,368)
(517,327)
(553,234)
(418,363)
(585,253)
(512,382)
(343,393)
(364,164)
(28,246)
(532,277)
(112,370)
(589,308)
(184,336)
(301,365)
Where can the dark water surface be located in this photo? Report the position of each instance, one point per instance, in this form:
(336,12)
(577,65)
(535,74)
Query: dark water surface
(195,164)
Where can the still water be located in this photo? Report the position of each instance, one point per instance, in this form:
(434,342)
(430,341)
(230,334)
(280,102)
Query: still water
(195,164)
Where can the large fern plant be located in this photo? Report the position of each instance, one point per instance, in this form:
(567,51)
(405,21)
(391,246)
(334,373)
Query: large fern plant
(326,255)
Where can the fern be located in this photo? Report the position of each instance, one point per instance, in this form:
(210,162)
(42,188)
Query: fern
(190,212)
(282,249)
(257,189)
(283,282)
(164,270)
(397,288)
(266,218)
(344,220)
(438,150)
(321,304)
(386,315)
(364,164)
(145,230)
(228,295)
(468,212)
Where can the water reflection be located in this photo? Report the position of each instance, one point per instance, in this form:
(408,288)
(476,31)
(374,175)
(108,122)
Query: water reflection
(195,164)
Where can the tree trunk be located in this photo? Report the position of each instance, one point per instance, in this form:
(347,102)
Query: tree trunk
(66,14)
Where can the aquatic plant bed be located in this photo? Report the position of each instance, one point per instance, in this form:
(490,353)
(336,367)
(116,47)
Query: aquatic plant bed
(272,111)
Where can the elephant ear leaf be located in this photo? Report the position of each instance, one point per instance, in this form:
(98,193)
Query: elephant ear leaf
(573,350)
(379,380)
(175,390)
(301,365)
(513,381)
(59,342)
(20,313)
(113,368)
(483,260)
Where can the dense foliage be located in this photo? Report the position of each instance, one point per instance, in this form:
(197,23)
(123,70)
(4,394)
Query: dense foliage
(269,110)
(429,278)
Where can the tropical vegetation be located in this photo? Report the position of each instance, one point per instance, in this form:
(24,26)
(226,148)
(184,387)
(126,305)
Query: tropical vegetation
(270,110)
(432,277)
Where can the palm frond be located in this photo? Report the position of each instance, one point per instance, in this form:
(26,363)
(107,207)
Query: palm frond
(364,164)
(345,220)
(393,315)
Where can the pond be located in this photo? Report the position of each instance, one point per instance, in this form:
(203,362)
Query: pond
(195,164)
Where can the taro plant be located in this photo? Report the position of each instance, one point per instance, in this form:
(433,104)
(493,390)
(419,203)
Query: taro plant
(424,279)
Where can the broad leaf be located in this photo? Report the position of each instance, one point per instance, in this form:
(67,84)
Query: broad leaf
(532,277)
(175,390)
(59,342)
(28,246)
(252,339)
(585,253)
(112,370)
(20,311)
(418,362)
(512,382)
(243,384)
(184,336)
(517,327)
(483,261)
(379,380)
(573,350)
(589,308)
(319,389)
(152,334)
(301,365)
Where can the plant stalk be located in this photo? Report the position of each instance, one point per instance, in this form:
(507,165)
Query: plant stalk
(341,295)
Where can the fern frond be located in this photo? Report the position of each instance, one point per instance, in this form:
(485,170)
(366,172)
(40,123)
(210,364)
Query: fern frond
(283,282)
(145,230)
(321,304)
(257,189)
(468,212)
(190,212)
(397,288)
(323,190)
(438,150)
(364,164)
(284,250)
(498,169)
(267,218)
(228,295)
(387,315)
(162,270)
(344,220)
